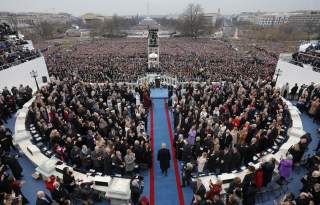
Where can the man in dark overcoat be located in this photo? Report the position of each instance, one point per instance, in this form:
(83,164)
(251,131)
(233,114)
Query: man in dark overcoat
(164,159)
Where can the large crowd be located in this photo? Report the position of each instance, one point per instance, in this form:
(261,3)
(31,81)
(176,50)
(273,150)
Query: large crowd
(10,169)
(125,60)
(201,156)
(90,126)
(94,127)
(219,128)
(118,60)
(307,97)
(225,125)
(12,100)
(12,48)
(86,125)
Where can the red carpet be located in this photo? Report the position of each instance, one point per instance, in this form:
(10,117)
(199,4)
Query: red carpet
(175,161)
(152,167)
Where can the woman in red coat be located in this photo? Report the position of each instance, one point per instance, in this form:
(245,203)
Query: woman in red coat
(49,182)
(215,189)
(259,178)
(146,99)
(143,201)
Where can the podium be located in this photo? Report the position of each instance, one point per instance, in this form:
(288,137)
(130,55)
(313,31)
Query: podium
(158,82)
(119,192)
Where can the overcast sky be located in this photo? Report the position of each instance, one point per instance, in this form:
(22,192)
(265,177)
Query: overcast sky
(132,7)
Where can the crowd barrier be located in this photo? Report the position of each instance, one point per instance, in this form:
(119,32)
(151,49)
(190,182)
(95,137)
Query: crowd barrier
(164,79)
(116,189)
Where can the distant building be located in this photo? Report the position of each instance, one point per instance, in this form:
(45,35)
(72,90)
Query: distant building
(304,17)
(29,18)
(91,18)
(141,30)
(25,21)
(211,18)
(250,17)
(272,19)
(74,32)
(147,23)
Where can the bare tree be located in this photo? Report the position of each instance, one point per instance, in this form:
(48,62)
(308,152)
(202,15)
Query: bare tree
(168,23)
(95,29)
(192,21)
(44,29)
(13,21)
(310,28)
(114,26)
(219,23)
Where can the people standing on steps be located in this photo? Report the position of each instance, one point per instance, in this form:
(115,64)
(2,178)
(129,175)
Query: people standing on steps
(164,159)
(186,174)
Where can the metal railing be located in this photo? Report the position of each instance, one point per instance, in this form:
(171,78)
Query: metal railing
(164,79)
(150,79)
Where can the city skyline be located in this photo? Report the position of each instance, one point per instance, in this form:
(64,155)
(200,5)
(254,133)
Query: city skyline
(157,7)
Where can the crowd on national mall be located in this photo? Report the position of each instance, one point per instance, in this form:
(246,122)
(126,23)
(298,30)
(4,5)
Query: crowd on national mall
(124,60)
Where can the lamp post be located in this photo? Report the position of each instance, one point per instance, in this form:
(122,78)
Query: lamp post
(278,73)
(34,74)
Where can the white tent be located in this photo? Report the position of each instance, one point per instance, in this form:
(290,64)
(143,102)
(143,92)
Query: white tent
(153,55)
(303,47)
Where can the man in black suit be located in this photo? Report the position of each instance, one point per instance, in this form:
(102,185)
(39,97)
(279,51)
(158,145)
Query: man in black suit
(59,194)
(14,165)
(164,158)
(43,199)
(268,168)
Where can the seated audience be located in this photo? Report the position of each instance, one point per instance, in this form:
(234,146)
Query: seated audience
(12,48)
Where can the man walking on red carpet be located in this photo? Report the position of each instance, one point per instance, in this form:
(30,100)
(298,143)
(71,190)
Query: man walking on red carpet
(164,158)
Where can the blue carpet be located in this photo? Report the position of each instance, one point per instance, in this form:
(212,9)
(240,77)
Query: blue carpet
(165,186)
(159,93)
